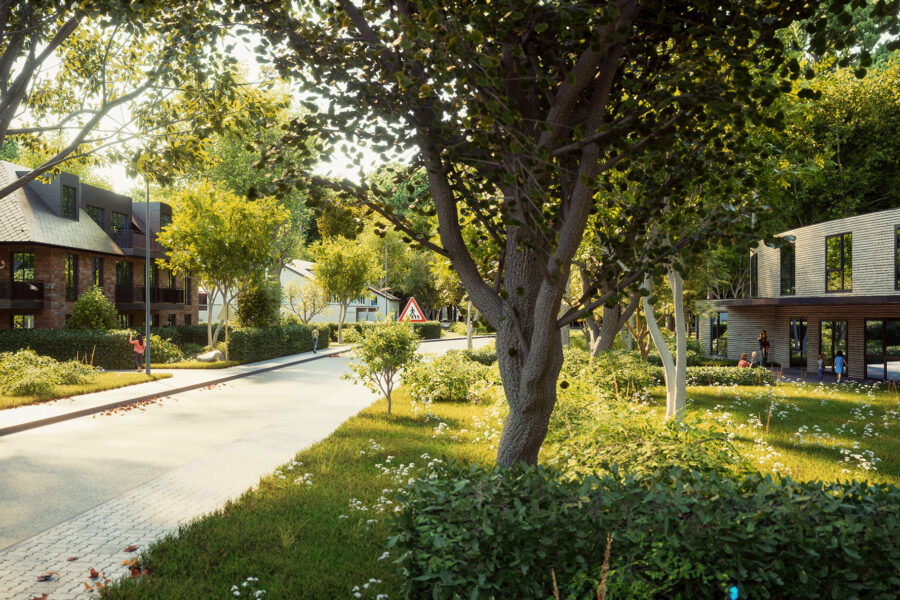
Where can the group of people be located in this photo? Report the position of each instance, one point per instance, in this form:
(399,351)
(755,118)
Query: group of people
(840,362)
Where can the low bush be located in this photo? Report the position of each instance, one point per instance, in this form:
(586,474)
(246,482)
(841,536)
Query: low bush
(182,334)
(694,354)
(191,350)
(510,532)
(104,349)
(486,355)
(729,376)
(26,373)
(92,310)
(163,350)
(450,377)
(249,344)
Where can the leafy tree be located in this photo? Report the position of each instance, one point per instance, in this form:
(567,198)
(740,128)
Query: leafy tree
(381,354)
(305,300)
(345,271)
(76,68)
(221,239)
(259,304)
(519,112)
(92,310)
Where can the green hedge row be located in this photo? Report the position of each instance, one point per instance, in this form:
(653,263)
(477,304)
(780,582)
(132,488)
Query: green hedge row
(476,533)
(250,344)
(428,330)
(184,334)
(104,349)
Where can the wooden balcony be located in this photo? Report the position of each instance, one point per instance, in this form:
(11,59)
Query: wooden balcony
(21,295)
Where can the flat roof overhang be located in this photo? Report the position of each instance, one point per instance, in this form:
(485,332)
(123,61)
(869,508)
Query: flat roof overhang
(807,301)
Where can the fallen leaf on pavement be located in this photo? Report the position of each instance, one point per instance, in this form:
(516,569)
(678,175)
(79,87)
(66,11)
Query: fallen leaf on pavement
(94,573)
(41,597)
(71,558)
(87,587)
(130,548)
(135,571)
(129,562)
(100,585)
(48,576)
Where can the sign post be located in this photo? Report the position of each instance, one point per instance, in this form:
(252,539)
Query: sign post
(412,312)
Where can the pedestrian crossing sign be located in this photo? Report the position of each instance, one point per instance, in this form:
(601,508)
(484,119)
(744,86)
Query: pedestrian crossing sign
(412,312)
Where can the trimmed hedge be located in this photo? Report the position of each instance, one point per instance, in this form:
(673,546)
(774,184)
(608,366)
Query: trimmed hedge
(250,344)
(470,532)
(183,334)
(428,330)
(104,349)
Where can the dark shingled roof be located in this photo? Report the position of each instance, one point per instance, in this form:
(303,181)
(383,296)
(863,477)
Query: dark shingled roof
(25,218)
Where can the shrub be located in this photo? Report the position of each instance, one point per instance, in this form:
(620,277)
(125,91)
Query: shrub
(259,305)
(729,376)
(383,351)
(459,328)
(105,349)
(450,377)
(429,330)
(486,355)
(92,310)
(472,532)
(695,354)
(163,350)
(248,344)
(191,350)
(28,373)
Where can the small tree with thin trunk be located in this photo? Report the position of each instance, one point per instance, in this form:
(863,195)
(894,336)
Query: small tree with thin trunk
(305,300)
(345,270)
(384,351)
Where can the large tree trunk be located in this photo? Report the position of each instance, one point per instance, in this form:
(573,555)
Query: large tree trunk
(602,335)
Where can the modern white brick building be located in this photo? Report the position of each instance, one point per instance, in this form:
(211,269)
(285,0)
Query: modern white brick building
(836,286)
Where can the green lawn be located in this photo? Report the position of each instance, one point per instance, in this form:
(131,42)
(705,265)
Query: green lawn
(304,540)
(323,538)
(195,364)
(103,381)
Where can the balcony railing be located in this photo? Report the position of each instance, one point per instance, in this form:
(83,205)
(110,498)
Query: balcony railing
(130,239)
(21,290)
(136,295)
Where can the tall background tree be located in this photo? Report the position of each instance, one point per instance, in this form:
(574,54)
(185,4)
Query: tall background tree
(518,112)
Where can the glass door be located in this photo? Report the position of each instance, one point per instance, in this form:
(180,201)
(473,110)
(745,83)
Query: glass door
(833,337)
(798,342)
(883,350)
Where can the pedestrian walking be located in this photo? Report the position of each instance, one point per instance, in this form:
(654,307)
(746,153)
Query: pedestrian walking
(315,337)
(139,348)
(820,366)
(763,340)
(840,365)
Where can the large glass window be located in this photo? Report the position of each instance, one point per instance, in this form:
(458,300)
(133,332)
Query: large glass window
(897,258)
(798,342)
(97,214)
(117,221)
(788,287)
(123,321)
(754,275)
(838,262)
(172,320)
(71,277)
(97,272)
(718,334)
(154,276)
(68,202)
(883,350)
(23,266)
(22,321)
(833,337)
(124,274)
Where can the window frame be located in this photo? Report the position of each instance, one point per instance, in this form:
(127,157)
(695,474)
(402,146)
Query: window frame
(13,270)
(112,221)
(64,204)
(70,274)
(97,267)
(93,212)
(27,321)
(172,320)
(791,288)
(897,257)
(843,268)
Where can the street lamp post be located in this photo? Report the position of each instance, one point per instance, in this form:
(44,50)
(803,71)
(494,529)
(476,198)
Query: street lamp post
(147,278)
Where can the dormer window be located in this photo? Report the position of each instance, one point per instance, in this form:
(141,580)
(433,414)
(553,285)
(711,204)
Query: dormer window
(839,262)
(68,205)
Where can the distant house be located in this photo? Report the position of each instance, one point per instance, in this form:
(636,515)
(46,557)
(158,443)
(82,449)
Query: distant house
(61,237)
(835,287)
(373,305)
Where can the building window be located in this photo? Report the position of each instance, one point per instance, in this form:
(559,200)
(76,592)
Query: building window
(22,321)
(201,299)
(897,258)
(154,276)
(754,275)
(154,320)
(187,292)
(798,342)
(164,220)
(838,262)
(172,280)
(833,338)
(68,202)
(117,221)
(187,319)
(718,334)
(97,214)
(171,320)
(788,287)
(124,274)
(123,320)
(23,266)
(71,277)
(97,273)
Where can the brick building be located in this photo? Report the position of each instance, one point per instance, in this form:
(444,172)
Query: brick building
(59,238)
(835,287)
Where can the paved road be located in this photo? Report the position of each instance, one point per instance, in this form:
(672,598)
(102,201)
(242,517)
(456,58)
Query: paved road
(91,486)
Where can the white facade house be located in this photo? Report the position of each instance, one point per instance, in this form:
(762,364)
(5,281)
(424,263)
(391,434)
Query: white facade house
(836,286)
(372,306)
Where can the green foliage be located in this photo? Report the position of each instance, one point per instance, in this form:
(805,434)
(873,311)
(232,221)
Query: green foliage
(468,531)
(191,350)
(695,354)
(259,304)
(250,344)
(384,350)
(26,373)
(344,270)
(92,310)
(162,350)
(729,376)
(486,355)
(104,349)
(450,377)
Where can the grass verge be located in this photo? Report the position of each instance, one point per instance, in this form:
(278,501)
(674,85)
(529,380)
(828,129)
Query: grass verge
(304,540)
(104,381)
(196,364)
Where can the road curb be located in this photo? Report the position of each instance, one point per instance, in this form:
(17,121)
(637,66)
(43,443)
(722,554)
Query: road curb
(187,388)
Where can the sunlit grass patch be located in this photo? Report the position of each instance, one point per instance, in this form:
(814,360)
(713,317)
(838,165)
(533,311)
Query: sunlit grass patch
(102,382)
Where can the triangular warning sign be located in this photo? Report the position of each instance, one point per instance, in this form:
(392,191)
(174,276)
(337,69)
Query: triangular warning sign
(412,312)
